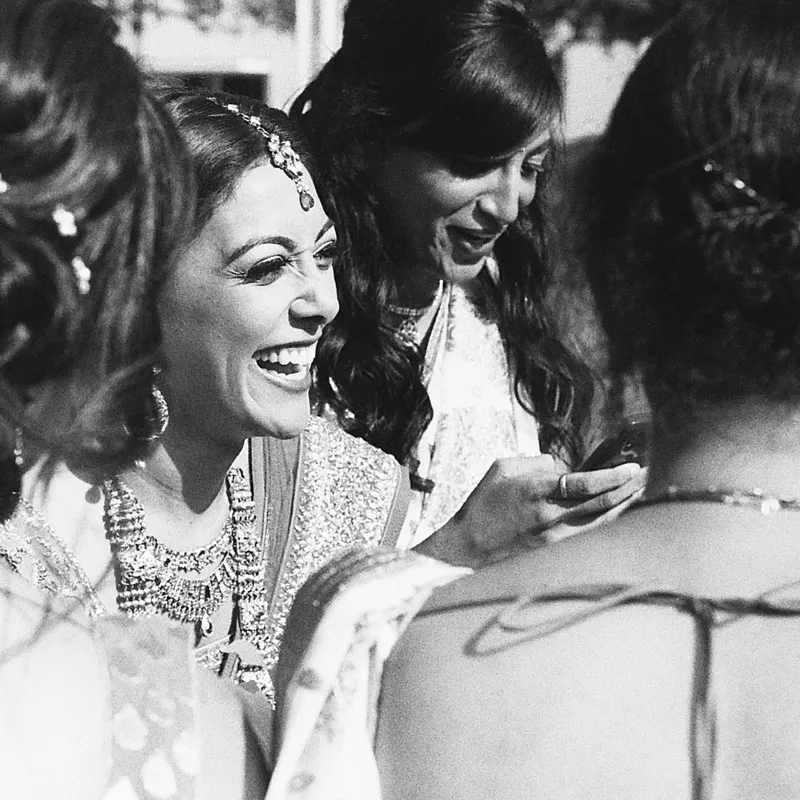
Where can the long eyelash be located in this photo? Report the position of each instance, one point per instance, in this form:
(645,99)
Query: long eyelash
(264,268)
(539,167)
(330,247)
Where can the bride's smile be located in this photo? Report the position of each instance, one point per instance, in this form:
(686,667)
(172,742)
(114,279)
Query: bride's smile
(242,314)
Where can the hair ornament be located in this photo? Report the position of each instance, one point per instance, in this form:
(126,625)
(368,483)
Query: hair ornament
(68,229)
(65,222)
(281,154)
(713,168)
(83,275)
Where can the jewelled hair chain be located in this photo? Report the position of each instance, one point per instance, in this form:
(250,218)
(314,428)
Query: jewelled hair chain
(281,154)
(67,229)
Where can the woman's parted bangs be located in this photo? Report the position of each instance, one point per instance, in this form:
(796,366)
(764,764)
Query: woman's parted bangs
(493,100)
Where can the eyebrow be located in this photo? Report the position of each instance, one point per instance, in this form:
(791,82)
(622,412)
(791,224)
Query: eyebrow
(544,147)
(283,241)
(324,229)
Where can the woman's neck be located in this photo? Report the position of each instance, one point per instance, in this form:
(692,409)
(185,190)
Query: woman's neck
(417,290)
(181,486)
(743,445)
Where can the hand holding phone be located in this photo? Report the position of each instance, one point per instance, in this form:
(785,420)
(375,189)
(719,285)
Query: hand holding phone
(630,445)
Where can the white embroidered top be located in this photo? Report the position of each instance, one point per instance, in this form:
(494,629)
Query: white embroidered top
(476,415)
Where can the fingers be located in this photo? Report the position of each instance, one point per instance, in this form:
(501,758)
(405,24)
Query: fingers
(603,503)
(568,526)
(580,485)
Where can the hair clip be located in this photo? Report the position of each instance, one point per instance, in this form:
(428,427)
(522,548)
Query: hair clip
(83,275)
(281,153)
(65,222)
(3,185)
(68,228)
(712,167)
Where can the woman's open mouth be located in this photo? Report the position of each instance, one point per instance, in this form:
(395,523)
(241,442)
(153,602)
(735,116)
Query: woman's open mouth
(291,363)
(473,242)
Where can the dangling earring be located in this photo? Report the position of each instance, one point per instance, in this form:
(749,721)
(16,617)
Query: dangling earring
(18,459)
(160,416)
(10,479)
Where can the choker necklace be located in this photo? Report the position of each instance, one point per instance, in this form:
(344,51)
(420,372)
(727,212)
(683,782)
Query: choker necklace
(752,498)
(407,329)
(153,579)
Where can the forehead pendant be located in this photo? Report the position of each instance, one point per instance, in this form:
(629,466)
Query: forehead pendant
(281,154)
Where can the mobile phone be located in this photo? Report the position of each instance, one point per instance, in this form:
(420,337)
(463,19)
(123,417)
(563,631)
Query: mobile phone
(629,445)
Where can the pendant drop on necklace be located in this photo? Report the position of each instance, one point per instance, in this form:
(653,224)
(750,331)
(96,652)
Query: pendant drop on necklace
(206,625)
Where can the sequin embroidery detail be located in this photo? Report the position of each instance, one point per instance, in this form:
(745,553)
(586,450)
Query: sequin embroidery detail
(345,497)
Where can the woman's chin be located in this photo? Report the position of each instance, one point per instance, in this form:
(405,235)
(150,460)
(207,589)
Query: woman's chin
(462,273)
(285,427)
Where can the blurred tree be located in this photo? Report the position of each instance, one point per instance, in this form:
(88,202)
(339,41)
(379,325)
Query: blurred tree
(278,14)
(603,20)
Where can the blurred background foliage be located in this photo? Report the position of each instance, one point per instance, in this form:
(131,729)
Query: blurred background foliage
(279,14)
(604,21)
(563,21)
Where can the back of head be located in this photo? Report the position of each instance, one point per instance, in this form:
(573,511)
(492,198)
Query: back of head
(95,188)
(694,241)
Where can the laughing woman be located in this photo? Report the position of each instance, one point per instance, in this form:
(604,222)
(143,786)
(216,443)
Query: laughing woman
(230,508)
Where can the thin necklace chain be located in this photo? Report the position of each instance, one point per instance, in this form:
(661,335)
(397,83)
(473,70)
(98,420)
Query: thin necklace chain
(749,498)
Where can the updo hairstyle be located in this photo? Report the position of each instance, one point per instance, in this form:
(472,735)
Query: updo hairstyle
(694,242)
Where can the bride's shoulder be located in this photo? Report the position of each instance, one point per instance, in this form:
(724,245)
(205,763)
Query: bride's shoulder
(358,478)
(325,438)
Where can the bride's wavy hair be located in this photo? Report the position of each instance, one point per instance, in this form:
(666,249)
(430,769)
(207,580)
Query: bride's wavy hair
(79,130)
(693,245)
(459,78)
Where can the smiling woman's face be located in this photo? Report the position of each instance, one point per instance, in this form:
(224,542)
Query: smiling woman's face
(447,214)
(243,311)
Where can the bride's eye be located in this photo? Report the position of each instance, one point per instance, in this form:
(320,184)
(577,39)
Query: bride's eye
(326,256)
(265,271)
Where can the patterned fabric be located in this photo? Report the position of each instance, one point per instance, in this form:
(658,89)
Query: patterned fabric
(477,418)
(154,743)
(344,493)
(30,546)
(344,623)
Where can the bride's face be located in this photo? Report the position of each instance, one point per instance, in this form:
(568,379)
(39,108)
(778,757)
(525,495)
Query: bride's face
(243,310)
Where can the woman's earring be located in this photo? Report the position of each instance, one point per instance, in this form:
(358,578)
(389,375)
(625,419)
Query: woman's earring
(18,458)
(160,418)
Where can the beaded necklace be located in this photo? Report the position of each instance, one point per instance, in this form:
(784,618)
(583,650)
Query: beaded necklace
(752,498)
(152,578)
(409,317)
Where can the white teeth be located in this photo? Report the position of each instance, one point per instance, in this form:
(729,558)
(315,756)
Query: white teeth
(297,356)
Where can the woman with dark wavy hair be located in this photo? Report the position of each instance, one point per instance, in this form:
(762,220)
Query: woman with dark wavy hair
(654,657)
(433,127)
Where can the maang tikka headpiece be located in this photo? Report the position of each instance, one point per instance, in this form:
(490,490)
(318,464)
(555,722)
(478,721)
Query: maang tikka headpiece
(281,154)
(67,228)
